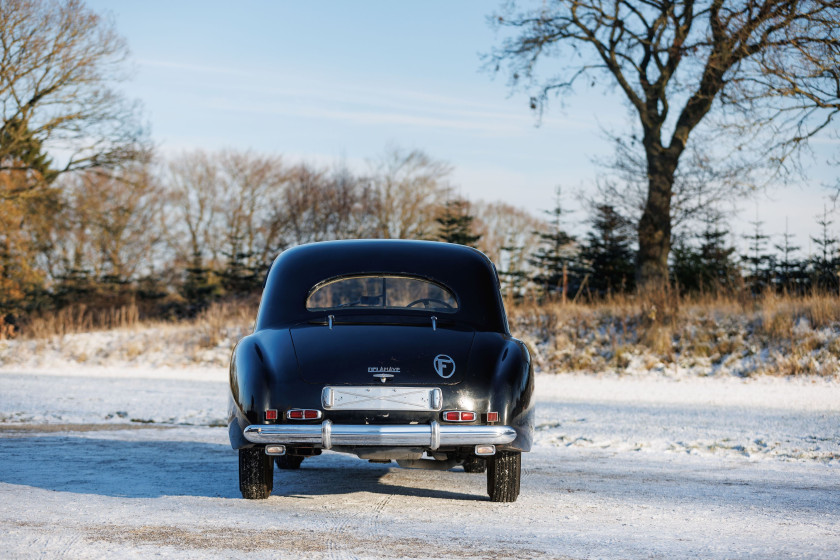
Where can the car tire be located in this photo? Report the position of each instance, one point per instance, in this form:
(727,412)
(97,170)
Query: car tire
(504,470)
(289,461)
(256,473)
(475,465)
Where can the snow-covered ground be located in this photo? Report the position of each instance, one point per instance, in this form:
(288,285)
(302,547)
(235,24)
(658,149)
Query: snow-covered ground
(131,462)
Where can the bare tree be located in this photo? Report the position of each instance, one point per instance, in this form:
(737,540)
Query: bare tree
(194,200)
(58,64)
(703,177)
(322,204)
(769,67)
(410,187)
(249,184)
(112,223)
(509,236)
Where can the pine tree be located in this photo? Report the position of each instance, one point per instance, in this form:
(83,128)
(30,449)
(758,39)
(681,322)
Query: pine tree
(788,270)
(608,252)
(825,265)
(686,265)
(198,288)
(556,260)
(240,276)
(456,224)
(757,260)
(27,152)
(513,279)
(718,269)
(707,264)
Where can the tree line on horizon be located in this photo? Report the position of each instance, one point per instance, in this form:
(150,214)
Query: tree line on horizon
(727,93)
(173,236)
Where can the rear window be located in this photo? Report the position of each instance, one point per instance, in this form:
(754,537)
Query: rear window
(382,292)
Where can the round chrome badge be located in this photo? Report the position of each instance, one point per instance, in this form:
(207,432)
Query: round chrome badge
(444,366)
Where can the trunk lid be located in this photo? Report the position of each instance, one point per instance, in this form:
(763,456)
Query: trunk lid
(363,354)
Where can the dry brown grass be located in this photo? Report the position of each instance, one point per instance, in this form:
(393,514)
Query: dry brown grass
(772,333)
(215,323)
(211,323)
(79,318)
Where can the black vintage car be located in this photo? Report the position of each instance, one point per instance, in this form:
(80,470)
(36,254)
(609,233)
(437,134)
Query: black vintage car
(388,350)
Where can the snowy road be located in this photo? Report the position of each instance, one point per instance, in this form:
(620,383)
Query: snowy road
(624,468)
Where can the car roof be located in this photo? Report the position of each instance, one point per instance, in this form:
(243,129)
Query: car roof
(464,270)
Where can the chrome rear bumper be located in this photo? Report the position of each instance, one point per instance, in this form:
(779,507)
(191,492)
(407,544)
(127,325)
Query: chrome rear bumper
(327,434)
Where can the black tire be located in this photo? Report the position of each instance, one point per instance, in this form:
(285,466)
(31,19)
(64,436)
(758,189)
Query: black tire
(289,461)
(504,470)
(475,465)
(256,473)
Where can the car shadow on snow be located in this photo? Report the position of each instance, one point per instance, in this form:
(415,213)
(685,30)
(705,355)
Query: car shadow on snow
(111,467)
(152,469)
(337,474)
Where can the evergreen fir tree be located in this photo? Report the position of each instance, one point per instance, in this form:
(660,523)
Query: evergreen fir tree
(29,153)
(512,278)
(686,265)
(556,260)
(608,252)
(240,276)
(759,263)
(456,223)
(198,289)
(707,266)
(826,263)
(718,269)
(789,277)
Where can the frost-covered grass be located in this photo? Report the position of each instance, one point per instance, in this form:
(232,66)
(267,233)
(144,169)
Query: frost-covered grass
(771,335)
(206,340)
(715,336)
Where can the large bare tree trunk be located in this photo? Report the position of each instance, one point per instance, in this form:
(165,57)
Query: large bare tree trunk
(655,224)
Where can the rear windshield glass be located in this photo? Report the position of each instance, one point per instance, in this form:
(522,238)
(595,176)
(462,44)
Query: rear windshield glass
(381,291)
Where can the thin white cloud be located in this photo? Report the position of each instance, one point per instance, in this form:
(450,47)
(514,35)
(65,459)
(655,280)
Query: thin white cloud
(195,68)
(366,117)
(355,103)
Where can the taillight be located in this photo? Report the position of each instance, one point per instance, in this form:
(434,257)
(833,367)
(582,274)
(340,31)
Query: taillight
(271,414)
(492,416)
(303,414)
(459,416)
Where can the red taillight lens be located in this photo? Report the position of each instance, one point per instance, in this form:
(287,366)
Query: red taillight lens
(271,414)
(492,416)
(458,416)
(303,414)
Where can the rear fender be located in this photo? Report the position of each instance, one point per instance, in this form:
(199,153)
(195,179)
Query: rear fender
(512,393)
(256,365)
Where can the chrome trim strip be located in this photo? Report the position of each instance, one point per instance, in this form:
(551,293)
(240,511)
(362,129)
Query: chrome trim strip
(327,434)
(437,399)
(435,443)
(327,397)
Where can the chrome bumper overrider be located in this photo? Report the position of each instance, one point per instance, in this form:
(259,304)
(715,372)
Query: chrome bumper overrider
(327,434)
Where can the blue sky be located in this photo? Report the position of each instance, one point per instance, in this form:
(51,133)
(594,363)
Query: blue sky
(323,81)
